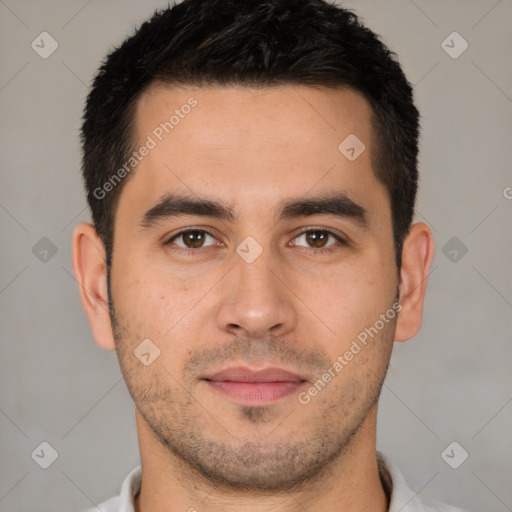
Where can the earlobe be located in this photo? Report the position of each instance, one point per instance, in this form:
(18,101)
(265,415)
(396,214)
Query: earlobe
(417,256)
(89,266)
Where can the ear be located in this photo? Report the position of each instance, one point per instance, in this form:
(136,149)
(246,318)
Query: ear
(417,256)
(89,265)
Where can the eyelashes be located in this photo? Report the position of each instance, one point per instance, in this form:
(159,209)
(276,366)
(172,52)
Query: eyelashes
(325,248)
(197,237)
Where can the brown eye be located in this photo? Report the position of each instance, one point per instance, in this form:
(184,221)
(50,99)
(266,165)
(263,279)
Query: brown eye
(318,240)
(191,239)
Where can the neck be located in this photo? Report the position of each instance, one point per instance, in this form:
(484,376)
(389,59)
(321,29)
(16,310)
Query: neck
(350,483)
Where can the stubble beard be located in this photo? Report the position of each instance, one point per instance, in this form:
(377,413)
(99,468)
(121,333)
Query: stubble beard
(257,463)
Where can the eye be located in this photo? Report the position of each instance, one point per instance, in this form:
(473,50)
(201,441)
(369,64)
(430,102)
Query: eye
(192,239)
(319,240)
(315,240)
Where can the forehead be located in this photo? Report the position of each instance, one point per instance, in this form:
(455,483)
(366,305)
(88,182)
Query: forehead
(252,147)
(277,115)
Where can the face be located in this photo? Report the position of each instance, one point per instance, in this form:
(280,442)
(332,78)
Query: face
(273,255)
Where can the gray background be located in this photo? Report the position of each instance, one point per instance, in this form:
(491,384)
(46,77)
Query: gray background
(451,383)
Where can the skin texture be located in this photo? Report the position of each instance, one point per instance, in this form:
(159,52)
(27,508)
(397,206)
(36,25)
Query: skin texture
(291,307)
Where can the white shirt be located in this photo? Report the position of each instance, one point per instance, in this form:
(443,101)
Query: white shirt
(402,498)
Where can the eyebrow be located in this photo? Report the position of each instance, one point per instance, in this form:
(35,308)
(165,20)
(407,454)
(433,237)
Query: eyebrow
(337,204)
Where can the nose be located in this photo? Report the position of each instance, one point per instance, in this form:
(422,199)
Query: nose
(256,301)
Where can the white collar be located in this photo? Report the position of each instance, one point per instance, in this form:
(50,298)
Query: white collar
(403,498)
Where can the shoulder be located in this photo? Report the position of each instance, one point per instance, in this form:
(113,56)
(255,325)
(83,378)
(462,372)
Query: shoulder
(402,497)
(422,504)
(124,502)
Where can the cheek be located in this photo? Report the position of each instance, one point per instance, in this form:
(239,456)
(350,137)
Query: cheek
(349,302)
(141,287)
(162,305)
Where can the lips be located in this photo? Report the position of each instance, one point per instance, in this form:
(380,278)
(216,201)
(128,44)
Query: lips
(247,386)
(242,374)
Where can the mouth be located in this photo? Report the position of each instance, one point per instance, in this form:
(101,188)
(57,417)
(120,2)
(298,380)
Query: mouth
(255,387)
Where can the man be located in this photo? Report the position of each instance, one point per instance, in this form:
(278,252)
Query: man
(251,171)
